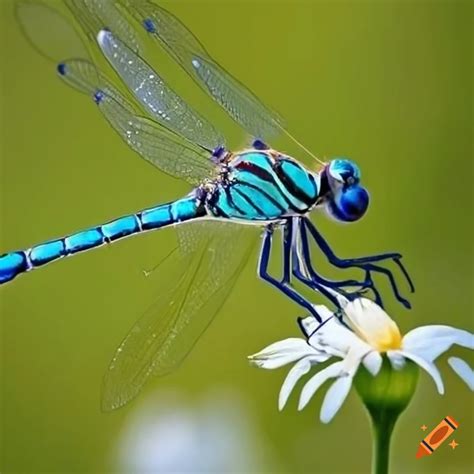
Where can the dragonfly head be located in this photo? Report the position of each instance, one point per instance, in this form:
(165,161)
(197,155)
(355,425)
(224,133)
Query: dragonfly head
(347,200)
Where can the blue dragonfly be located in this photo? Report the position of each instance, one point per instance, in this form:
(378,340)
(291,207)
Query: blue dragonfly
(258,186)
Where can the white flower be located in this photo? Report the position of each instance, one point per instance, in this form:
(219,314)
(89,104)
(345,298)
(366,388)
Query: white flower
(364,334)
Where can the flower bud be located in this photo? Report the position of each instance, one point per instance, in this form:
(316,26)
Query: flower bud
(390,390)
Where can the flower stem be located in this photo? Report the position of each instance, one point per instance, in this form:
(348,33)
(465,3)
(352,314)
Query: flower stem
(382,428)
(385,397)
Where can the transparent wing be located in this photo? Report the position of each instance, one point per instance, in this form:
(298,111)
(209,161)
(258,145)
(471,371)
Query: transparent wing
(94,15)
(42,26)
(239,102)
(102,19)
(159,146)
(164,149)
(155,95)
(167,332)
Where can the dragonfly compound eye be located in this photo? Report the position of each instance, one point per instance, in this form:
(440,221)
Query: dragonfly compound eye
(344,171)
(350,204)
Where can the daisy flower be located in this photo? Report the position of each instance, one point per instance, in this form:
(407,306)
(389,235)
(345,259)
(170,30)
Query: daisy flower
(364,347)
(360,337)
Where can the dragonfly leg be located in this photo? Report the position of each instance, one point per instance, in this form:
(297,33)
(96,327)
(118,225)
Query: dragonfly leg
(303,270)
(290,267)
(364,263)
(283,285)
(292,257)
(287,245)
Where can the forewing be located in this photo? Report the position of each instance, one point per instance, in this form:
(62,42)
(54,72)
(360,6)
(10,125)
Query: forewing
(103,22)
(94,15)
(239,102)
(160,101)
(161,147)
(211,258)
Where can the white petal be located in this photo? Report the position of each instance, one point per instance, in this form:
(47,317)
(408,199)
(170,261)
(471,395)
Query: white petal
(430,342)
(333,370)
(463,370)
(281,353)
(327,349)
(335,397)
(361,309)
(372,324)
(397,360)
(301,368)
(335,338)
(426,365)
(308,325)
(373,362)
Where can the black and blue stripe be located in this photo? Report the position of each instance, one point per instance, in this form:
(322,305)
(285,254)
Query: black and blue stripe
(262,187)
(15,263)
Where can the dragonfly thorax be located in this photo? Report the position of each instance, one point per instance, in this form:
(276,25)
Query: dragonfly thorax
(262,185)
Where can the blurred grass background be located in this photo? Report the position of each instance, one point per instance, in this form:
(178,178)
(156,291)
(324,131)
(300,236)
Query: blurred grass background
(386,83)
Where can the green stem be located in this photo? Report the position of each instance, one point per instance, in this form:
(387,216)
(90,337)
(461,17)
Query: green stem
(385,396)
(382,428)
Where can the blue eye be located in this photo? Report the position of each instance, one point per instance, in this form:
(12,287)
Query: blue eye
(344,170)
(349,205)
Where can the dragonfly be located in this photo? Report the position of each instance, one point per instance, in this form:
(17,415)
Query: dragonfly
(238,198)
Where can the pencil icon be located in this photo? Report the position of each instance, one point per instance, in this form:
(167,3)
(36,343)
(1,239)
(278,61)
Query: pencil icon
(442,432)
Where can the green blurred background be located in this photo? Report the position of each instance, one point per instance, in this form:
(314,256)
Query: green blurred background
(386,83)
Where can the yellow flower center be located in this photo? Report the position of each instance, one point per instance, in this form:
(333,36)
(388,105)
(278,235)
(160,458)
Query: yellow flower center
(373,325)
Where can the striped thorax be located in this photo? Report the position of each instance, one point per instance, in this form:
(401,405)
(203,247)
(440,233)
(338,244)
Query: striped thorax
(262,185)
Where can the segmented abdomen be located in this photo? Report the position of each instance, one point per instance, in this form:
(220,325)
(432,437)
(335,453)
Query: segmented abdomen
(15,263)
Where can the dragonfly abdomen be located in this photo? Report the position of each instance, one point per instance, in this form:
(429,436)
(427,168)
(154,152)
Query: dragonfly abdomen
(15,263)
